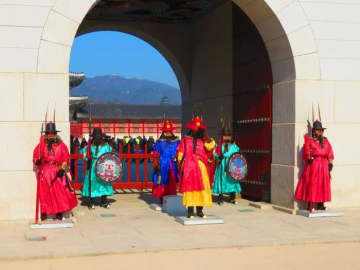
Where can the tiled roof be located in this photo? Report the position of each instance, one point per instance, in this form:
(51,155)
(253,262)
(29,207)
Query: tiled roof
(126,111)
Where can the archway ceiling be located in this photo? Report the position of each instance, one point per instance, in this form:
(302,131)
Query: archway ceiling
(160,11)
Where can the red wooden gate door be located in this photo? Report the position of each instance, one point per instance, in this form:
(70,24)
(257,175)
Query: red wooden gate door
(252,105)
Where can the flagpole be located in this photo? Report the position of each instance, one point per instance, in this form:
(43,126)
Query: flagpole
(38,177)
(88,155)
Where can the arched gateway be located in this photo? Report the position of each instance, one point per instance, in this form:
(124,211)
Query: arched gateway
(243,59)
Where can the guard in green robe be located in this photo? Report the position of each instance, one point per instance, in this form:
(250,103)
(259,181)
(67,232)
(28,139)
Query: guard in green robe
(223,182)
(97,188)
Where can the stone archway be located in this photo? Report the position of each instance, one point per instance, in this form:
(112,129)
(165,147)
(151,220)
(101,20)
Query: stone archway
(41,77)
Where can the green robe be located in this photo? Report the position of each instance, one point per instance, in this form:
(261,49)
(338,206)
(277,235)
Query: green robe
(223,183)
(98,188)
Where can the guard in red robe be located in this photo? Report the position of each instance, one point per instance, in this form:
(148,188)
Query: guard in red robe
(52,159)
(194,168)
(314,184)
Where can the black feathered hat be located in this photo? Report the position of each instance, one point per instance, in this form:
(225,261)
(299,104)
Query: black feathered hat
(97,133)
(226,128)
(51,128)
(318,126)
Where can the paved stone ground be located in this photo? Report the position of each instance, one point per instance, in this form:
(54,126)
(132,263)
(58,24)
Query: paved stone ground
(136,229)
(342,256)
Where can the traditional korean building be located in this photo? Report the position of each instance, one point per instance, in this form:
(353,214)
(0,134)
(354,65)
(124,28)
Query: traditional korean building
(75,79)
(119,120)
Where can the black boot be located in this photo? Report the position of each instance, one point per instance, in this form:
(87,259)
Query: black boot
(199,211)
(59,216)
(161,201)
(232,198)
(220,200)
(105,202)
(190,212)
(321,206)
(91,204)
(43,216)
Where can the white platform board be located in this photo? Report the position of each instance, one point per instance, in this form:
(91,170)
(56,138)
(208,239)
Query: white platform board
(173,205)
(53,224)
(106,215)
(208,220)
(155,207)
(246,210)
(318,214)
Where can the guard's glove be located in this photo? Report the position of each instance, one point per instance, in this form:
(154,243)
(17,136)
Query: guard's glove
(330,166)
(156,163)
(309,160)
(38,162)
(60,173)
(156,170)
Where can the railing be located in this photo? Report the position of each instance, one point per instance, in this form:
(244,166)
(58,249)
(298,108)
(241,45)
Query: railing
(132,162)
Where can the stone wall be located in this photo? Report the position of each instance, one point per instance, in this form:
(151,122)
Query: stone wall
(34,52)
(211,84)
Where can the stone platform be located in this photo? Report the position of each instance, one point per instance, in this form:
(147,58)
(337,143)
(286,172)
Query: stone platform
(319,214)
(208,220)
(53,224)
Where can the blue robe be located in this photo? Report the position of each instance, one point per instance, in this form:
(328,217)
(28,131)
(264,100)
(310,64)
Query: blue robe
(98,187)
(167,152)
(223,183)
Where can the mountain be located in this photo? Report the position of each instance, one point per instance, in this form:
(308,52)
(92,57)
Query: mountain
(117,89)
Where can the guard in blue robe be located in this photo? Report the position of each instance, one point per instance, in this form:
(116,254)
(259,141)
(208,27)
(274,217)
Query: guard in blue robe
(165,168)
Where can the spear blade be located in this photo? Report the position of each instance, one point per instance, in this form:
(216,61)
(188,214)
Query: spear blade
(313,115)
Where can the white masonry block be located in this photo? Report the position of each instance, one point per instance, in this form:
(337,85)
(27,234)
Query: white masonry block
(173,205)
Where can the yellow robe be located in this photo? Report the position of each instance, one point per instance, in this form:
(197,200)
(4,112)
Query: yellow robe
(203,197)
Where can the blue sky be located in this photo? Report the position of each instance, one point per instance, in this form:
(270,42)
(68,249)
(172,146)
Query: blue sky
(108,52)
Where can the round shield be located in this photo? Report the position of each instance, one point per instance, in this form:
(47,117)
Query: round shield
(237,166)
(109,167)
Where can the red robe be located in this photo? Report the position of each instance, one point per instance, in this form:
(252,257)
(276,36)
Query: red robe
(314,184)
(54,194)
(191,180)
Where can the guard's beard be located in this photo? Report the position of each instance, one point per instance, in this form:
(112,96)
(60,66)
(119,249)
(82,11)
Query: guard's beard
(97,142)
(321,140)
(50,143)
(200,133)
(171,137)
(168,138)
(226,145)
